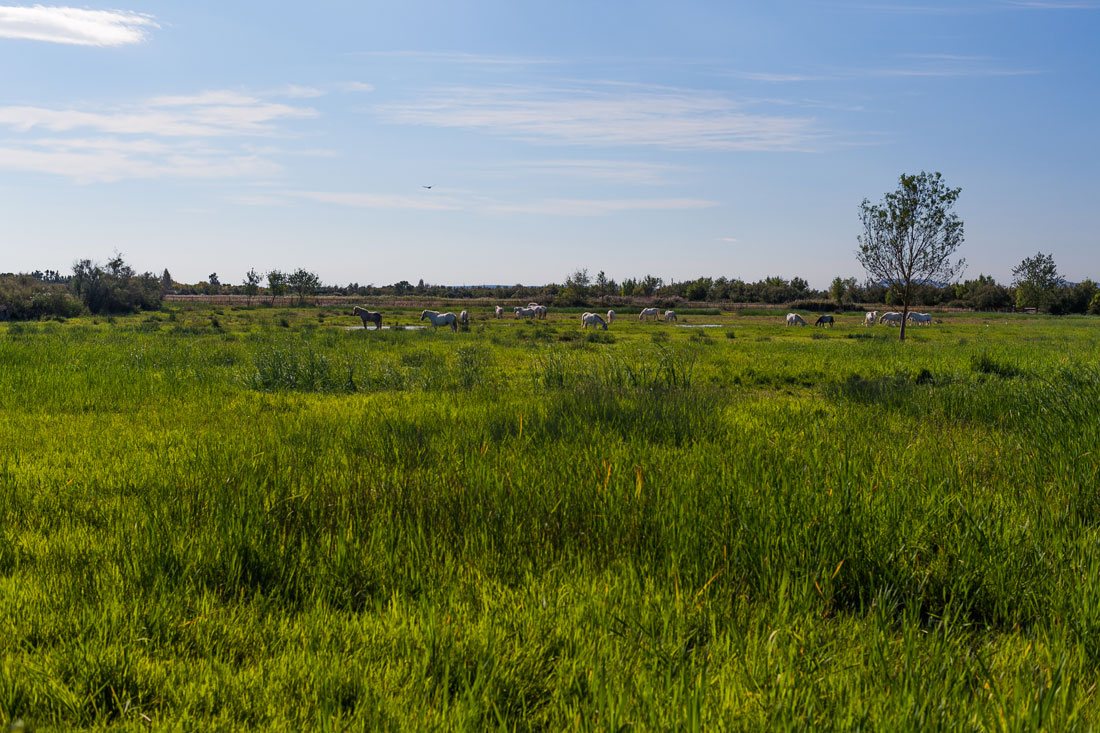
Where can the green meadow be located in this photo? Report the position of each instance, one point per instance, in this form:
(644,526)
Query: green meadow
(224,519)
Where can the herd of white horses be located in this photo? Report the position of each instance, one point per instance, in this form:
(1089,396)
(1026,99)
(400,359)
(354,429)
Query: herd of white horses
(595,320)
(890,318)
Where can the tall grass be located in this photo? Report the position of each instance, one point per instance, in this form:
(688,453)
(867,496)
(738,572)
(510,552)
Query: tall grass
(257,526)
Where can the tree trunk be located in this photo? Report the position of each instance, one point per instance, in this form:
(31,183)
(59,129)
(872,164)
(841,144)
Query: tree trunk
(904,319)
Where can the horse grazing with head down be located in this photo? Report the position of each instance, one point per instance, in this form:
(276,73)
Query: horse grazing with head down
(647,313)
(610,316)
(525,312)
(464,318)
(890,318)
(441,319)
(368,316)
(499,312)
(924,319)
(870,318)
(670,316)
(825,321)
(593,320)
(793,319)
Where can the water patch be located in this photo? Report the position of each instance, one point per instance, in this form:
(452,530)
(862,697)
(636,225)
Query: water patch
(699,325)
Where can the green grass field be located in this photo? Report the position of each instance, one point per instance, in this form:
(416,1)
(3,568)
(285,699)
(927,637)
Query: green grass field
(260,518)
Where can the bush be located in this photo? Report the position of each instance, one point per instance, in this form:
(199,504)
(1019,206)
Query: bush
(25,298)
(115,288)
(818,306)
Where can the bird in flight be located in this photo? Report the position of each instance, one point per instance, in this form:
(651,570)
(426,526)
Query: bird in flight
(426,187)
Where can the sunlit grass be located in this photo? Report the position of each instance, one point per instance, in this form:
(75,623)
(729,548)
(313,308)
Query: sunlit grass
(260,518)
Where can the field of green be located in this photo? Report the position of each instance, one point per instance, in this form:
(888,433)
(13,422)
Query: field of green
(221,519)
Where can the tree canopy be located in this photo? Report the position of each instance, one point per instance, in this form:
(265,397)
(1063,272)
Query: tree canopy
(910,237)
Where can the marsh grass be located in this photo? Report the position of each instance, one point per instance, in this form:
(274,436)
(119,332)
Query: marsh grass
(268,526)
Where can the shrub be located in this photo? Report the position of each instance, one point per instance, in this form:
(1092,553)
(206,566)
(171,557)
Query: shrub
(25,298)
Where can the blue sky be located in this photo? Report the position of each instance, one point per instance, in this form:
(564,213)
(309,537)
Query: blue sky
(678,139)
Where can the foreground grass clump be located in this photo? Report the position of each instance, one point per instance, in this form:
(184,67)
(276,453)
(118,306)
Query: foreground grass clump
(257,519)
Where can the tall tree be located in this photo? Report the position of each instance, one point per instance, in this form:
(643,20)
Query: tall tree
(910,237)
(276,284)
(304,283)
(251,284)
(1036,279)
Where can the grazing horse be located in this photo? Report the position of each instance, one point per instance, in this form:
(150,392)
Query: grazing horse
(870,318)
(610,316)
(540,311)
(924,319)
(824,321)
(368,316)
(647,313)
(594,320)
(793,319)
(525,312)
(499,312)
(464,318)
(891,318)
(441,319)
(670,316)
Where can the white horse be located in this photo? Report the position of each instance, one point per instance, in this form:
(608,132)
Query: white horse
(670,316)
(532,305)
(890,318)
(540,311)
(368,316)
(870,318)
(647,313)
(499,312)
(610,316)
(793,319)
(441,319)
(592,319)
(463,318)
(525,312)
(921,318)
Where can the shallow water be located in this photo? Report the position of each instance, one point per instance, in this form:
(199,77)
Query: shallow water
(384,328)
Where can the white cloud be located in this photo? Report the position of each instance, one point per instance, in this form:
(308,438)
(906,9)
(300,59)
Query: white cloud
(209,135)
(105,161)
(601,115)
(427,202)
(599,207)
(74,26)
(209,114)
(609,171)
(354,86)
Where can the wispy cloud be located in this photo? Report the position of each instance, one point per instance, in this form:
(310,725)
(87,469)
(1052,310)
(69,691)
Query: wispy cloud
(354,86)
(1055,4)
(627,172)
(107,160)
(205,135)
(208,114)
(460,57)
(911,65)
(599,207)
(74,26)
(608,114)
(377,201)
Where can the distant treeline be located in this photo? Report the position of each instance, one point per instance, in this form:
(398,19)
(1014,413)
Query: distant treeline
(115,288)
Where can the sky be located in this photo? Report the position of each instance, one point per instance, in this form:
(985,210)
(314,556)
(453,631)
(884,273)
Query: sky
(679,139)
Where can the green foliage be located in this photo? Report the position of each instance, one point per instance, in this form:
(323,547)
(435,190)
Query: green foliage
(25,298)
(1036,279)
(307,527)
(115,288)
(910,237)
